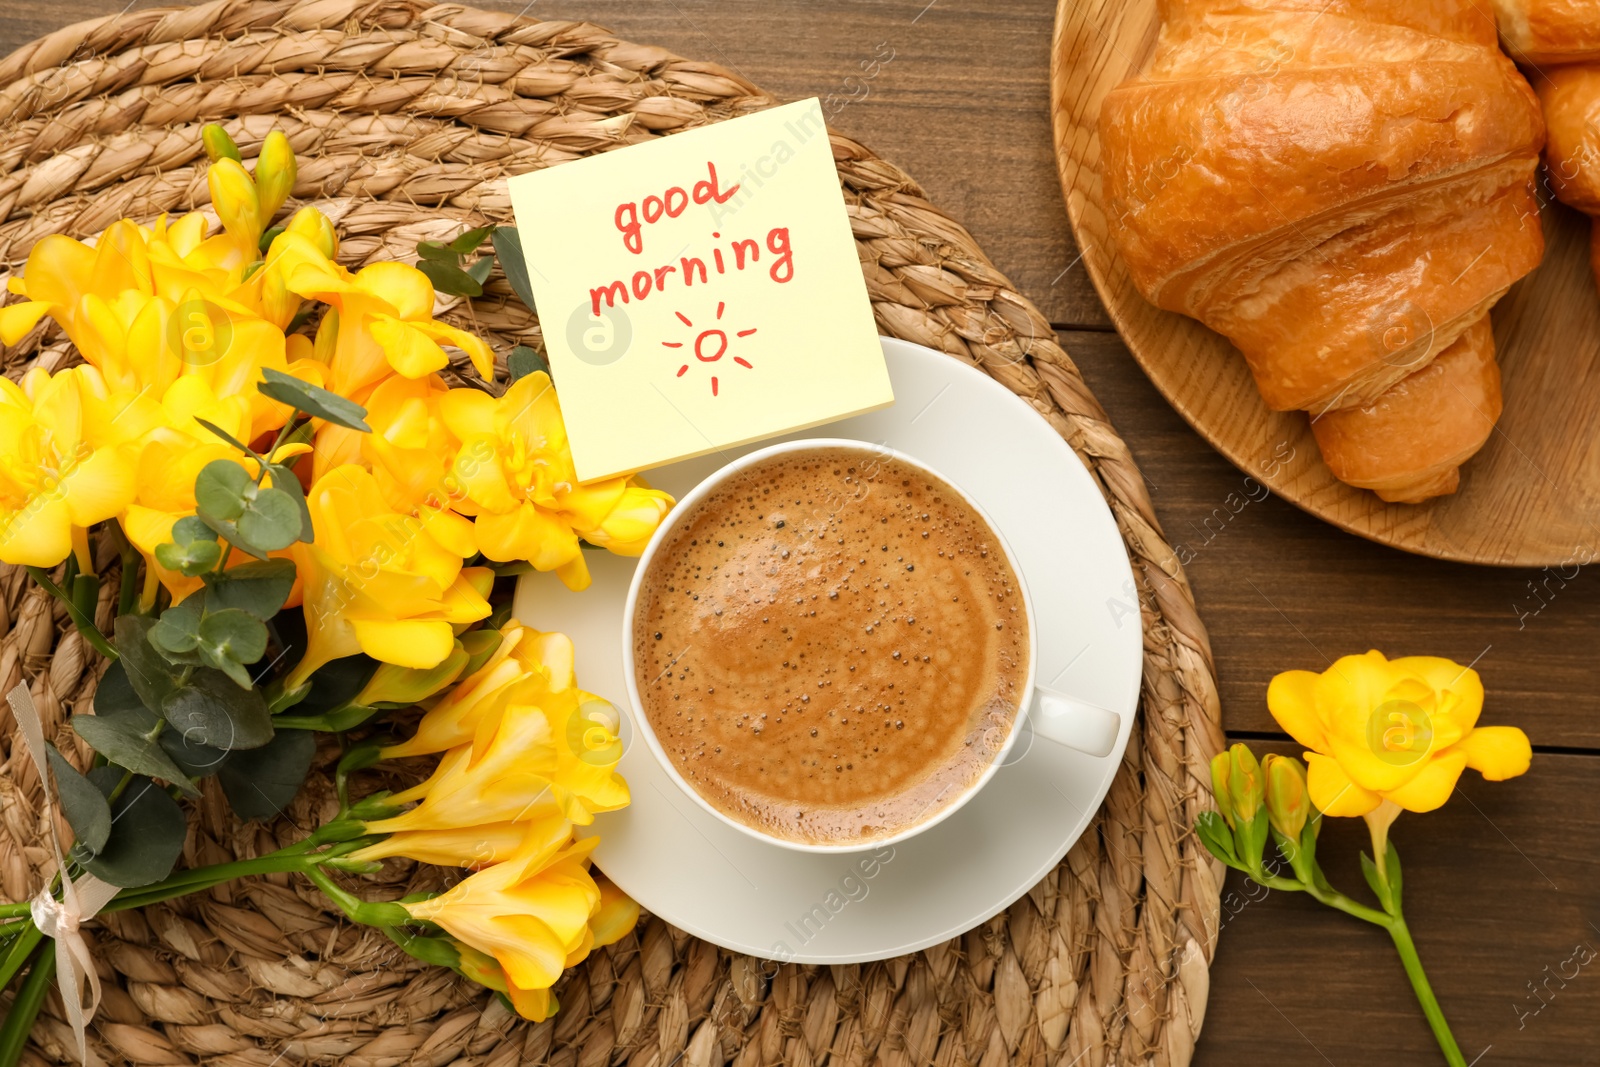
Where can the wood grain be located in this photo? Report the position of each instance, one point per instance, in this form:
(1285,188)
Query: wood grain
(964,107)
(1528,498)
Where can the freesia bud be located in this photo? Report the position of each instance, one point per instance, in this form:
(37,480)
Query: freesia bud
(1244,783)
(327,337)
(275,173)
(233,194)
(1219,786)
(400,686)
(218,144)
(1288,803)
(314,226)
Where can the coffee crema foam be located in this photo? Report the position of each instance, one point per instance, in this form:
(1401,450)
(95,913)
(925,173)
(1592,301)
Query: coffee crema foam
(831,647)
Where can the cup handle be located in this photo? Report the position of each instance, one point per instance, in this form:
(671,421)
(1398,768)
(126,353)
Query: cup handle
(1084,727)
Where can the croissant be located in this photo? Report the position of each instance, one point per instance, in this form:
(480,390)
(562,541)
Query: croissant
(1543,33)
(1571,99)
(1342,189)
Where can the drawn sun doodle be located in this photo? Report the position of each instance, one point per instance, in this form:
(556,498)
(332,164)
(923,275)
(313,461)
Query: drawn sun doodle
(709,345)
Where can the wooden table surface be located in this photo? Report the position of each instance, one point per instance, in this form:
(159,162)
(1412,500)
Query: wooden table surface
(1503,884)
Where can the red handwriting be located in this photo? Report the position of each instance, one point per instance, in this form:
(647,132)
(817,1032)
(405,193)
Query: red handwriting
(741,254)
(632,216)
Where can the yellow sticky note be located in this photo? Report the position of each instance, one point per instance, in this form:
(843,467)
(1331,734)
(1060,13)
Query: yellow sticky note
(699,291)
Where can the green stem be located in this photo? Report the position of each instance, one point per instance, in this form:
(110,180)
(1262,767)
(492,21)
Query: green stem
(1401,934)
(84,623)
(25,1009)
(1332,898)
(203,878)
(128,593)
(17,955)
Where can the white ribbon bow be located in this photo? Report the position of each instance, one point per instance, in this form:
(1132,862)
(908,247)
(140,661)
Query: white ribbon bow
(80,901)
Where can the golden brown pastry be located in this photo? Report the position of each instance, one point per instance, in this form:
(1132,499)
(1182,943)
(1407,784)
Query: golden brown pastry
(1409,444)
(1543,33)
(1571,98)
(1302,175)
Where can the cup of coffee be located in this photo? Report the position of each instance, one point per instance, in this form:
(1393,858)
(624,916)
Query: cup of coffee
(830,647)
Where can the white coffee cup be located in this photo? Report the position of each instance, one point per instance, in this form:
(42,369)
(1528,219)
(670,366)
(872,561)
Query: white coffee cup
(1052,715)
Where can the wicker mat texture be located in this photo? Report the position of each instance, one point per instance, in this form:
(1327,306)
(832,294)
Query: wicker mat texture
(408,118)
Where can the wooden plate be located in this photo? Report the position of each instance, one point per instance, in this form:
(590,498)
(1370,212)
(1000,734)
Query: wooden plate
(1528,499)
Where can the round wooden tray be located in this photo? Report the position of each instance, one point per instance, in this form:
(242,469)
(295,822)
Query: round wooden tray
(408,118)
(1528,499)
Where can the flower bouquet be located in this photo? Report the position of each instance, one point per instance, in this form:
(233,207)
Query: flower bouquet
(312,485)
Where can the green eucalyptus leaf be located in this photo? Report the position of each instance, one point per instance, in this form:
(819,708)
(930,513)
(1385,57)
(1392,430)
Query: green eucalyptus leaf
(223,490)
(124,738)
(229,532)
(84,806)
(190,529)
(523,361)
(196,760)
(231,636)
(479,269)
(283,479)
(115,692)
(149,674)
(434,252)
(147,832)
(178,629)
(508,249)
(194,558)
(261,782)
(211,710)
(449,278)
(336,683)
(467,243)
(313,400)
(271,520)
(258,588)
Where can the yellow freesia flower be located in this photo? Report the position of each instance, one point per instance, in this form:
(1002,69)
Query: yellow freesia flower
(1392,730)
(462,846)
(528,667)
(385,323)
(515,471)
(614,920)
(410,450)
(64,462)
(531,913)
(522,766)
(379,581)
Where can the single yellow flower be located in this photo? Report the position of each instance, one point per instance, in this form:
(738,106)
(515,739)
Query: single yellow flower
(528,667)
(614,920)
(381,582)
(410,450)
(1399,730)
(531,913)
(385,323)
(515,471)
(522,766)
(64,462)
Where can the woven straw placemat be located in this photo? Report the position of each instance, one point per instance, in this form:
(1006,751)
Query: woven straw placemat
(408,118)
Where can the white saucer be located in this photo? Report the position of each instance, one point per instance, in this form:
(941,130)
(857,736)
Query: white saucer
(724,886)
